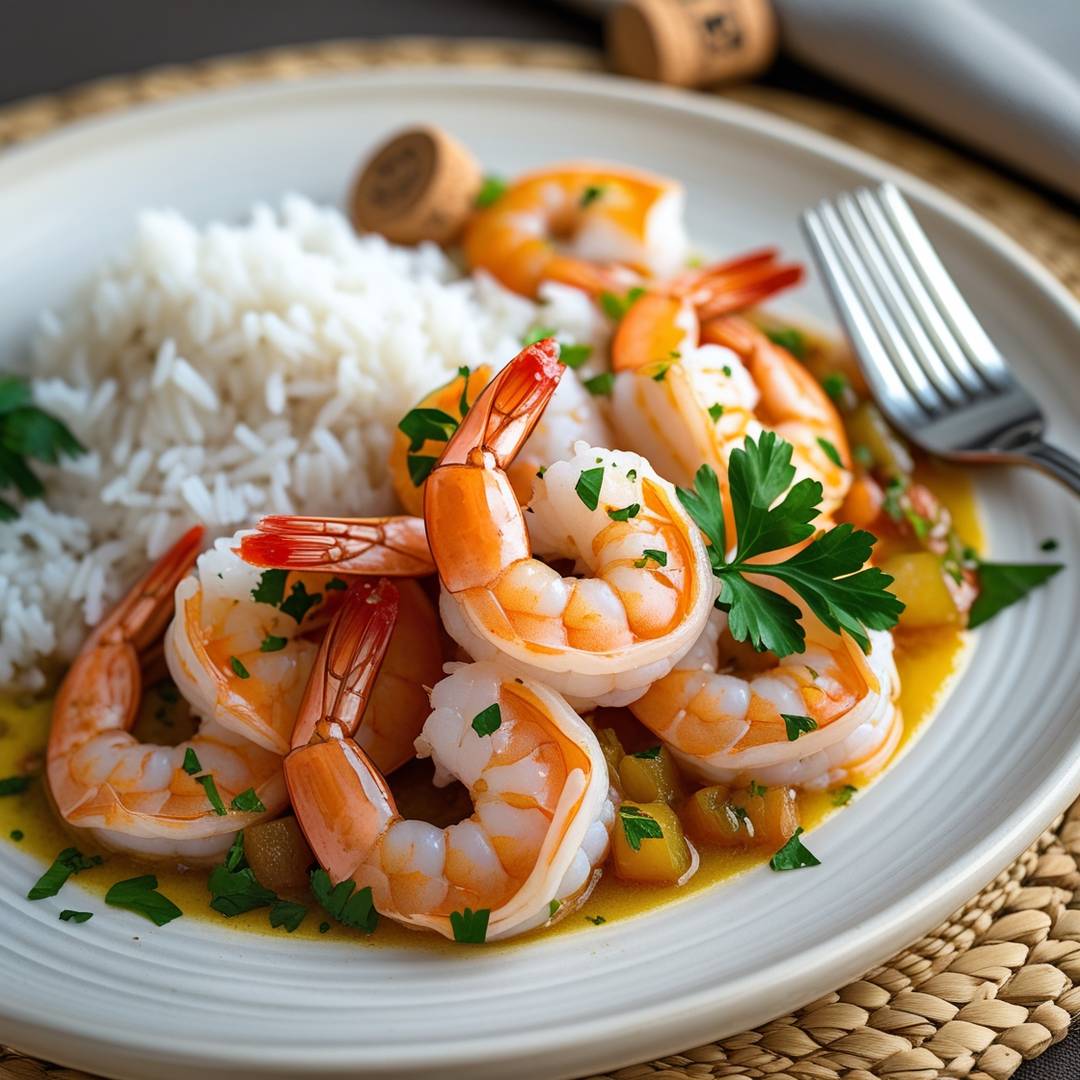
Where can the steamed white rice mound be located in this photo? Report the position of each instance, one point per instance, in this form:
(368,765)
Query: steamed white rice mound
(219,374)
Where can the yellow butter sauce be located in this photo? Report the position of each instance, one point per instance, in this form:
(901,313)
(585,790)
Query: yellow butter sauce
(928,660)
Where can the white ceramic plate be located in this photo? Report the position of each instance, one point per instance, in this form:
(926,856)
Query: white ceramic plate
(991,771)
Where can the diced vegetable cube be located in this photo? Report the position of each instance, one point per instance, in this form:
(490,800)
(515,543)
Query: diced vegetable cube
(642,855)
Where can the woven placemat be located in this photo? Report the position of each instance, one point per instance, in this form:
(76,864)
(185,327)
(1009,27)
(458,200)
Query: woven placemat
(998,981)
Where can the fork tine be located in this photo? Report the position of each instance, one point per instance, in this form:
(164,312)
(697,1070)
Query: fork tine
(922,305)
(953,308)
(886,385)
(874,304)
(889,288)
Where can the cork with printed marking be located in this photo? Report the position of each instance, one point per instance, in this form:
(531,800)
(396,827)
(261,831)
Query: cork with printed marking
(420,185)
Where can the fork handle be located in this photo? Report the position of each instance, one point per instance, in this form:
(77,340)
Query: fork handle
(1055,462)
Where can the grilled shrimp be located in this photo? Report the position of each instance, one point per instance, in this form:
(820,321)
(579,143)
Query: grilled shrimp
(596,227)
(543,808)
(135,796)
(721,711)
(693,380)
(599,638)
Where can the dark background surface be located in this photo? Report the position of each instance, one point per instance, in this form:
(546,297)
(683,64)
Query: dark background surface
(47,45)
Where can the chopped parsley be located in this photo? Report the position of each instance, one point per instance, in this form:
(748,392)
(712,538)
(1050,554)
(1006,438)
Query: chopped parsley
(798,725)
(239,670)
(271,587)
(726,369)
(470,927)
(69,861)
(1049,544)
(191,764)
(596,920)
(67,915)
(324,927)
(247,802)
(139,894)
(14,785)
(842,796)
(423,424)
(234,858)
(553,907)
(638,826)
(1002,584)
(491,191)
(649,755)
(861,453)
(835,384)
(601,385)
(573,356)
(794,855)
(625,513)
(831,452)
(716,410)
(420,466)
(654,554)
(789,338)
(17,835)
(273,643)
(591,193)
(829,574)
(757,791)
(334,583)
(236,890)
(487,720)
(299,602)
(212,795)
(537,333)
(588,487)
(288,914)
(658,371)
(28,433)
(347,906)
(615,307)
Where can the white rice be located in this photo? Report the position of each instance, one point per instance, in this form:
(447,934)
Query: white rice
(223,373)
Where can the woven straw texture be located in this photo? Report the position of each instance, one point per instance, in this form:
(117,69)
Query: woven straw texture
(997,982)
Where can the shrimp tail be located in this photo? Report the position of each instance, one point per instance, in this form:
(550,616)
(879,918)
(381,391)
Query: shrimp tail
(347,663)
(341,799)
(393,546)
(743,282)
(140,618)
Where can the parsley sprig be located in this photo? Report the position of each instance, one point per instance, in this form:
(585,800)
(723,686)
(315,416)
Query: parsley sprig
(829,574)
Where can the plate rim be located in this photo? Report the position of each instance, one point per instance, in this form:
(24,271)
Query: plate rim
(858,946)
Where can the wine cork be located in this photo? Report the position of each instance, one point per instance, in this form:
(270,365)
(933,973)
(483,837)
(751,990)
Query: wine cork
(421,185)
(692,42)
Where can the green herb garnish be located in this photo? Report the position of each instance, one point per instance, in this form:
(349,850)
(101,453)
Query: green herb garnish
(470,927)
(487,720)
(67,915)
(757,790)
(273,643)
(1049,544)
(14,785)
(537,333)
(789,338)
(591,193)
(1002,584)
(649,755)
(334,583)
(573,356)
(16,835)
(324,927)
(239,670)
(588,487)
(798,725)
(829,574)
(553,907)
(191,764)
(271,587)
(831,452)
(794,855)
(357,911)
(300,602)
(835,384)
(638,826)
(28,433)
(139,894)
(69,861)
(234,891)
(491,191)
(615,307)
(842,796)
(212,795)
(625,513)
(420,466)
(423,424)
(234,859)
(600,385)
(658,557)
(247,802)
(288,914)
(716,410)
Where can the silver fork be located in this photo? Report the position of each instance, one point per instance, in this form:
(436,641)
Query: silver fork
(930,366)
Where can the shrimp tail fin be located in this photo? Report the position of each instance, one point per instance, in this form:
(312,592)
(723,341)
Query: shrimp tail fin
(140,618)
(508,408)
(744,281)
(347,663)
(393,546)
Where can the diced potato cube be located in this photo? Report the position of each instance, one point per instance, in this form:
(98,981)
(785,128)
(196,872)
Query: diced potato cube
(649,775)
(757,816)
(641,855)
(920,584)
(278,854)
(613,751)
